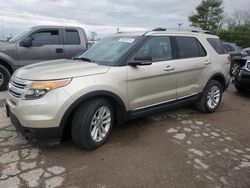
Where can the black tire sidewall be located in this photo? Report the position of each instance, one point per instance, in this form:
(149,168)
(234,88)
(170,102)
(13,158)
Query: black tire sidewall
(6,78)
(86,113)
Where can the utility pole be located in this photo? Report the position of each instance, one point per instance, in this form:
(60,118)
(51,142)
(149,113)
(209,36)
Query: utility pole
(179,25)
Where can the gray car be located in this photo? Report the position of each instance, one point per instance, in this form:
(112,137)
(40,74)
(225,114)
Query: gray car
(40,43)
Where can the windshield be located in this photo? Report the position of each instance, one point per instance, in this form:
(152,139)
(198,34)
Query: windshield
(18,36)
(109,50)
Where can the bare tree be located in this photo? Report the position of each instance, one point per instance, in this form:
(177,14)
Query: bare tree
(241,17)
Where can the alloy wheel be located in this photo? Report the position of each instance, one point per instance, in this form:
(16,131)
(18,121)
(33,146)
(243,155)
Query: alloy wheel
(100,124)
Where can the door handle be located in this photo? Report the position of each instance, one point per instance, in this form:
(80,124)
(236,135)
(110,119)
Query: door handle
(169,68)
(59,50)
(207,62)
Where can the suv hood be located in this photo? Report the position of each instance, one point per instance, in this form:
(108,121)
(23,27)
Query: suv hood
(59,69)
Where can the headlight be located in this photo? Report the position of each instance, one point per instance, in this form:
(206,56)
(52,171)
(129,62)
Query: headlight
(38,89)
(247,65)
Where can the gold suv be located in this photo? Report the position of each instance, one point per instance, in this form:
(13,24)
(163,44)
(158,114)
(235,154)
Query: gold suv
(124,76)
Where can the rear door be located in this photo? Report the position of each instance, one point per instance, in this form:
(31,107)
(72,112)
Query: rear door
(46,45)
(152,84)
(74,42)
(192,61)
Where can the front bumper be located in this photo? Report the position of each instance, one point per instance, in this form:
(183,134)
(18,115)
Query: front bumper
(44,135)
(39,119)
(243,79)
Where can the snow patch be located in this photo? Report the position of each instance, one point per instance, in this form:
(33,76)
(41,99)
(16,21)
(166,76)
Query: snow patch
(54,182)
(12,182)
(201,164)
(56,170)
(9,157)
(187,129)
(172,130)
(199,122)
(196,152)
(228,138)
(32,177)
(180,136)
(214,134)
(244,164)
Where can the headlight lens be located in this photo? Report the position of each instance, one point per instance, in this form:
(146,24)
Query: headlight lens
(38,89)
(247,65)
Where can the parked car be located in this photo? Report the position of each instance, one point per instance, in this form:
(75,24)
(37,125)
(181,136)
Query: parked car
(236,53)
(39,44)
(124,76)
(247,50)
(242,74)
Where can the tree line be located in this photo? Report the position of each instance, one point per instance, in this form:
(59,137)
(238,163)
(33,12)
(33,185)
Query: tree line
(234,28)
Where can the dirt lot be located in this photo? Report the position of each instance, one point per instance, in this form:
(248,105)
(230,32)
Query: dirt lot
(181,148)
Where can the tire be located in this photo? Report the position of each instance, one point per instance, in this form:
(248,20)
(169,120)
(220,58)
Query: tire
(4,78)
(84,121)
(204,104)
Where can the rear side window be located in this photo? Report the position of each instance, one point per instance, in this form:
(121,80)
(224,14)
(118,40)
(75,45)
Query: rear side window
(217,45)
(190,47)
(72,37)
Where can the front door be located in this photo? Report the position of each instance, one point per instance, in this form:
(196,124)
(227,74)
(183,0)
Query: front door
(152,84)
(46,45)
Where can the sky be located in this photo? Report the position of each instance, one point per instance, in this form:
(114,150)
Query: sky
(102,16)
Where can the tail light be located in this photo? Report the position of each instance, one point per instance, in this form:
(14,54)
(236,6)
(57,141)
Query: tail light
(229,59)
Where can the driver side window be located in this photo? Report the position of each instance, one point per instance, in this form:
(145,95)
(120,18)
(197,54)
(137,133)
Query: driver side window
(45,37)
(157,48)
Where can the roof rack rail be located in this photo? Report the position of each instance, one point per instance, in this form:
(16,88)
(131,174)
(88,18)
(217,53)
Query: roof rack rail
(159,29)
(194,30)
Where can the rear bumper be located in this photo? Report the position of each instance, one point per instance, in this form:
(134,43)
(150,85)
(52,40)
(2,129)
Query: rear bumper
(43,135)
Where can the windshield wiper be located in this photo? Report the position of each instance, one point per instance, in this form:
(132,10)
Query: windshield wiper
(84,59)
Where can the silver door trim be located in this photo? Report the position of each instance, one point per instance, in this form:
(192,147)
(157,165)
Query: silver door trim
(165,102)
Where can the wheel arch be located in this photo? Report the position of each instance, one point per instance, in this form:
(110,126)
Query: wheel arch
(221,79)
(7,65)
(117,103)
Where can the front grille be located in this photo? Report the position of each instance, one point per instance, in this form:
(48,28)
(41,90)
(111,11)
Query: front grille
(17,87)
(14,94)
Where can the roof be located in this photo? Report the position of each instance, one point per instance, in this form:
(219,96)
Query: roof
(54,26)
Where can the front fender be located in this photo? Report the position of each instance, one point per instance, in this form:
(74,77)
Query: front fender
(9,60)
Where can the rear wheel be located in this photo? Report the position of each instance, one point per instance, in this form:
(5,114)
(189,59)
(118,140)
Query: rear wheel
(211,97)
(92,124)
(4,78)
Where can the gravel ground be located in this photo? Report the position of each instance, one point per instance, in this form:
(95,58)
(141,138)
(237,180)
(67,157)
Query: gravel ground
(180,148)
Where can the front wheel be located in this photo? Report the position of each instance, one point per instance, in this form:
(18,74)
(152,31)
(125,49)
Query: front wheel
(4,78)
(211,97)
(92,123)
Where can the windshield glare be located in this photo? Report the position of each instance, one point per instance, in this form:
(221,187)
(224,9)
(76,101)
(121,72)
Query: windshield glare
(18,36)
(109,50)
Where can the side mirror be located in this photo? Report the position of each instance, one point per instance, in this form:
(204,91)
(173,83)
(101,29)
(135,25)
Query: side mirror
(141,61)
(27,42)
